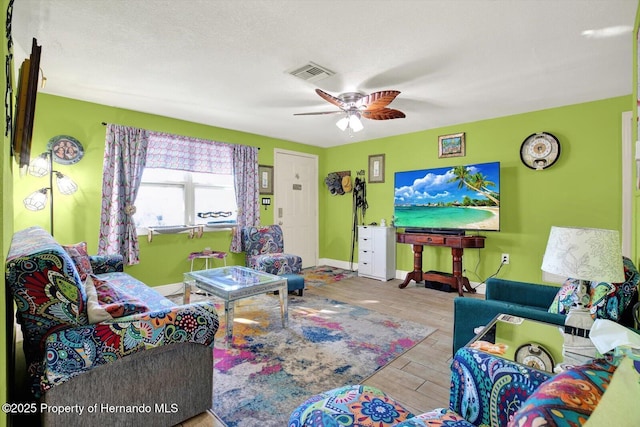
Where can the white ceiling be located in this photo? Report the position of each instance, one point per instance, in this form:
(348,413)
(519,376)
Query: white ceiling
(224,62)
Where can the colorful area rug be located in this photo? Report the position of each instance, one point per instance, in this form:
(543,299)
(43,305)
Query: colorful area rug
(269,371)
(321,275)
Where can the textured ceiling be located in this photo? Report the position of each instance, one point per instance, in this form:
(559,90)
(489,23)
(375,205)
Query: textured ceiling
(224,62)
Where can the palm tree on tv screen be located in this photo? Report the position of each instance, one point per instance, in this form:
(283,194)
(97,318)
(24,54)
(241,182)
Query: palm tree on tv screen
(475,182)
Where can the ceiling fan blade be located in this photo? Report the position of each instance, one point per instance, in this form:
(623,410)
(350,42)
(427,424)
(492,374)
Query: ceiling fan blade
(378,100)
(318,113)
(332,99)
(383,114)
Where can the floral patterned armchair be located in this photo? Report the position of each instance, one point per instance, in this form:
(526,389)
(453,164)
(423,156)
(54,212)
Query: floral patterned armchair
(264,248)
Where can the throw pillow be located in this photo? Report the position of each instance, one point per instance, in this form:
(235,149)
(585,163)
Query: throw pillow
(619,405)
(106,302)
(80,257)
(568,399)
(610,300)
(564,298)
(95,312)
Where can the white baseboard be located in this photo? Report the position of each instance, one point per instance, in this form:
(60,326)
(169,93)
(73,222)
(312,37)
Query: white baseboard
(337,263)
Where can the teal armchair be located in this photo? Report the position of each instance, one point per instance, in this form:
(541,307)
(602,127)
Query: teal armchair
(528,300)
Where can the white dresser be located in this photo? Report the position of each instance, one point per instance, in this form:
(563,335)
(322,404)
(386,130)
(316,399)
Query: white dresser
(377,252)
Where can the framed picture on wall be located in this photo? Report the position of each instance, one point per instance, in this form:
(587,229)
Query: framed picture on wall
(376,168)
(451,145)
(265,179)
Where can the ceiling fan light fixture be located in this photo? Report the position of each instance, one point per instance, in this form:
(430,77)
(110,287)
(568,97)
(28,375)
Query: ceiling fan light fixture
(343,123)
(356,105)
(354,123)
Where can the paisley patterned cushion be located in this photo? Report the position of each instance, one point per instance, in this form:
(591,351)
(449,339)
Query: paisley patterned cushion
(105,301)
(106,263)
(568,399)
(262,240)
(80,257)
(610,300)
(264,249)
(440,417)
(364,406)
(488,390)
(71,352)
(353,405)
(564,298)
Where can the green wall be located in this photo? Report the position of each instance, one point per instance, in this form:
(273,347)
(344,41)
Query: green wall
(582,189)
(6,213)
(77,217)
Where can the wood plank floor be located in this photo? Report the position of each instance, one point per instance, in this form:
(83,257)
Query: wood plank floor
(419,379)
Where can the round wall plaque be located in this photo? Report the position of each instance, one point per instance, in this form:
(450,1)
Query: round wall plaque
(65,149)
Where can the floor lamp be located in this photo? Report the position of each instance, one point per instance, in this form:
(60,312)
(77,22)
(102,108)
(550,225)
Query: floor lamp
(585,255)
(41,166)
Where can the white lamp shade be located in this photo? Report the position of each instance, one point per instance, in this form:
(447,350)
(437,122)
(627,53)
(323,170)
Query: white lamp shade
(40,166)
(65,184)
(36,201)
(350,121)
(354,123)
(343,123)
(590,254)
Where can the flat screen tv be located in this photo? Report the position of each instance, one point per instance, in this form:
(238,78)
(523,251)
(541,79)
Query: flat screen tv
(448,200)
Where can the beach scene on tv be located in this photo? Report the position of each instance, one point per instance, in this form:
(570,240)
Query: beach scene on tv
(464,197)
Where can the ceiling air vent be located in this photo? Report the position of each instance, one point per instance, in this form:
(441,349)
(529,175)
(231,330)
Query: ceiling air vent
(311,72)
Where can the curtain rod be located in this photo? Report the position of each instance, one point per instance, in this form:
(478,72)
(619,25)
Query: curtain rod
(105,123)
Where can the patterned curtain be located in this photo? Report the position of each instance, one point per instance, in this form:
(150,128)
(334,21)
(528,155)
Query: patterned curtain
(245,170)
(125,153)
(169,151)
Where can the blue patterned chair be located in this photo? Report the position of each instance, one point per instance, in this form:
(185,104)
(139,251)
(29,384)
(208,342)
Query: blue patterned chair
(485,391)
(264,249)
(95,335)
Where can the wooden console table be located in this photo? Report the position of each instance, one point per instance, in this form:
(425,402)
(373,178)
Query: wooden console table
(457,244)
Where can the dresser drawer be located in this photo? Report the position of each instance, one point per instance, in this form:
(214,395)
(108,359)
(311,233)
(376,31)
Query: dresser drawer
(365,243)
(364,262)
(366,232)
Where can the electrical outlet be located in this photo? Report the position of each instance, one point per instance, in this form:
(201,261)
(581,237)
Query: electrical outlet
(505,258)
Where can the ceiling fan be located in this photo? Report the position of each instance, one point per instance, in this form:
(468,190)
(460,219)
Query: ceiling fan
(356,105)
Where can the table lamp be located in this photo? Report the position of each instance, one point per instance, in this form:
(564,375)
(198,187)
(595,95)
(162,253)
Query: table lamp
(585,255)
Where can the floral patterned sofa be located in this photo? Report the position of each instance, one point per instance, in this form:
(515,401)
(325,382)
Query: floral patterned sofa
(94,335)
(488,391)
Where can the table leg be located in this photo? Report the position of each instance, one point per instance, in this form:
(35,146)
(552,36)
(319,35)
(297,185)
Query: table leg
(186,293)
(284,305)
(462,282)
(416,274)
(228,316)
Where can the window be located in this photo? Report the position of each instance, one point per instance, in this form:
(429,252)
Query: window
(169,197)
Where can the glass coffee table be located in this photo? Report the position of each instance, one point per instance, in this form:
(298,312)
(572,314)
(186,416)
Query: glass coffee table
(234,283)
(529,342)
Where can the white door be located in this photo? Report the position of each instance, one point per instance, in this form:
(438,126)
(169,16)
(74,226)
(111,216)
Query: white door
(296,203)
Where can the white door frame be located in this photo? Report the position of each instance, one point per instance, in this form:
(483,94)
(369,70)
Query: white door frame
(627,182)
(277,170)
